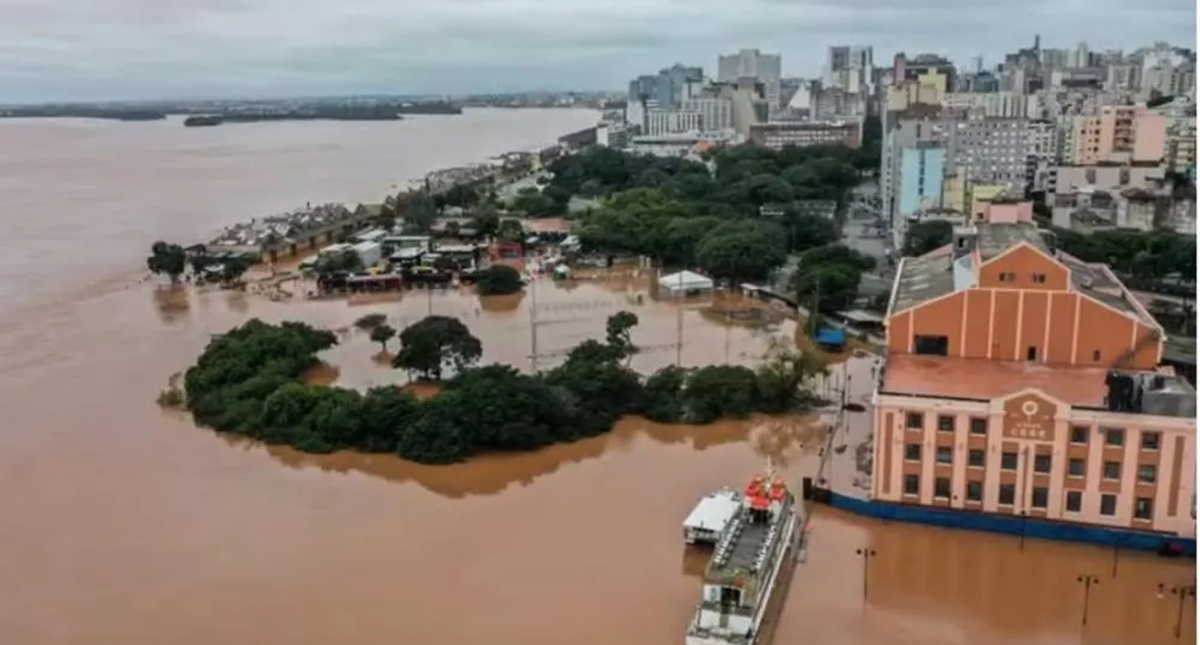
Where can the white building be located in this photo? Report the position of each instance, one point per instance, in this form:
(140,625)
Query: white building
(716,113)
(660,122)
(1009,105)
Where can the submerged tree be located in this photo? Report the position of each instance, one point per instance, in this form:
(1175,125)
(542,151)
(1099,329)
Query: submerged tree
(369,322)
(382,334)
(435,343)
(167,259)
(498,280)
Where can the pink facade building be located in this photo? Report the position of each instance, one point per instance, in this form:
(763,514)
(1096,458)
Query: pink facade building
(1023,381)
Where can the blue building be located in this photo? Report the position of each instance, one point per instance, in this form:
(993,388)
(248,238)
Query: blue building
(922,171)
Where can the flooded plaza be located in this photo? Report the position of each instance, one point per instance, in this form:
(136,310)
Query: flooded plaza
(123,524)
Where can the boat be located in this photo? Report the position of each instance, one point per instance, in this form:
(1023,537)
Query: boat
(751,565)
(706,522)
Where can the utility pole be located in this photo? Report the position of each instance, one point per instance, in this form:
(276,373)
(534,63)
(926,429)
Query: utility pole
(1182,593)
(866,555)
(429,294)
(1116,556)
(1087,580)
(727,325)
(533,336)
(678,330)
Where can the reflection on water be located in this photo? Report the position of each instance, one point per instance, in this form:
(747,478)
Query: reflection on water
(939,586)
(492,474)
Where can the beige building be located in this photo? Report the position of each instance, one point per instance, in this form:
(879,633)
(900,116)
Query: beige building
(1114,134)
(806,133)
(1068,179)
(1181,144)
(1021,381)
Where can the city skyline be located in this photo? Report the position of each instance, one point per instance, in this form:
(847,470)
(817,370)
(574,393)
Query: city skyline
(140,50)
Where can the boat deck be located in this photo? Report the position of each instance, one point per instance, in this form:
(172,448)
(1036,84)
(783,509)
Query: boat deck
(741,551)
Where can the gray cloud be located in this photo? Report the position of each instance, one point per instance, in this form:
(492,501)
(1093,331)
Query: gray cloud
(93,49)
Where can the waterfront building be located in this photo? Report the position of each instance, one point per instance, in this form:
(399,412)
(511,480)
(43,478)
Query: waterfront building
(1021,381)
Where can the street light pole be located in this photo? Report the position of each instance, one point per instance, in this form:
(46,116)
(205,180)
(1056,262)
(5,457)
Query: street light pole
(1182,592)
(1023,518)
(1116,556)
(1087,580)
(866,555)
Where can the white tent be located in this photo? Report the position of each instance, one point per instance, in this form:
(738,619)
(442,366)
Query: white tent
(685,281)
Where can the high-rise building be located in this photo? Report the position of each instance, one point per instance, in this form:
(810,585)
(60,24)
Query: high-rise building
(922,171)
(1114,134)
(751,63)
(849,69)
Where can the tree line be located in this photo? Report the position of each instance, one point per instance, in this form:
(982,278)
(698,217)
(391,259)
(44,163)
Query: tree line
(249,381)
(737,216)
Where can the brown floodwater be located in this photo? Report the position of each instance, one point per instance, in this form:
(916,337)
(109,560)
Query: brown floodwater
(123,524)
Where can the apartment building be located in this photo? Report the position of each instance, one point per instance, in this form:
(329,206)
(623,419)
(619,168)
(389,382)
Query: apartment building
(1022,381)
(1082,196)
(993,151)
(1181,145)
(922,177)
(806,133)
(995,104)
(1114,134)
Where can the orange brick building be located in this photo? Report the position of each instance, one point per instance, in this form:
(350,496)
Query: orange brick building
(1020,380)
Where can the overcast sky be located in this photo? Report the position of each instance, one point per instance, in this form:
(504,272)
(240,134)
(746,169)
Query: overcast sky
(101,49)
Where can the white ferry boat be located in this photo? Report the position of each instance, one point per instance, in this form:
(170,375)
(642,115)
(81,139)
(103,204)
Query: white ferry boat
(750,568)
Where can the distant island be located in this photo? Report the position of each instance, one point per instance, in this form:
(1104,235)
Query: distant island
(216,113)
(78,112)
(386,112)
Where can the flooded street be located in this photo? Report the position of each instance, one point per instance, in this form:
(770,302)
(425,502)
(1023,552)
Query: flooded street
(122,524)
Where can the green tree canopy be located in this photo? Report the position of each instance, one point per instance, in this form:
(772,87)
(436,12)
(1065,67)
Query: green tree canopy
(830,276)
(434,344)
(167,259)
(922,237)
(741,250)
(382,334)
(499,280)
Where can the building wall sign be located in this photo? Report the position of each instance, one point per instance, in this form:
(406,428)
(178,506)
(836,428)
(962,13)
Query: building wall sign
(1029,417)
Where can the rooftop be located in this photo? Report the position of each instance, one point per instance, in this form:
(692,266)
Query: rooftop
(923,278)
(984,380)
(714,511)
(292,226)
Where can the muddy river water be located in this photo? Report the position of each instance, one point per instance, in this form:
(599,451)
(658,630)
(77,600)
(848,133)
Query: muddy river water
(121,524)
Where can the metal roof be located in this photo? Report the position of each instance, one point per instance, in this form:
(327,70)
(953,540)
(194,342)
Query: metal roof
(714,511)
